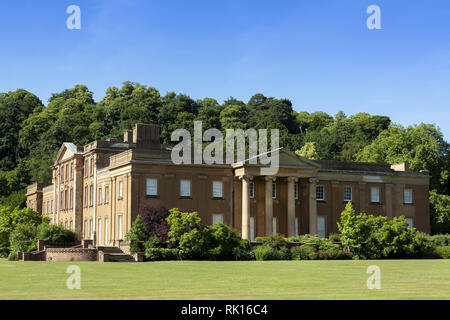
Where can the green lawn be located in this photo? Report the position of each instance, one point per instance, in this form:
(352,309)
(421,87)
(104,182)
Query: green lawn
(400,279)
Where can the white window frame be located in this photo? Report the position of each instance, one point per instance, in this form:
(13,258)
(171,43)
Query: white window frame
(408,199)
(151,187)
(296,191)
(374,199)
(346,199)
(218,189)
(323,193)
(185,188)
(274,191)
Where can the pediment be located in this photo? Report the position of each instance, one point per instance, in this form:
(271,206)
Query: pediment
(290,159)
(67,151)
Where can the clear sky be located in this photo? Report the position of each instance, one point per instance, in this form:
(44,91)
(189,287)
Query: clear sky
(318,54)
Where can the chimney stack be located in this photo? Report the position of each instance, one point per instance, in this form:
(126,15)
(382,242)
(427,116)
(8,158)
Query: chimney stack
(401,167)
(147,136)
(128,136)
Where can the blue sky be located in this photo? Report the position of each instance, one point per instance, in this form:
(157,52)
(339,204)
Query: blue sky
(318,54)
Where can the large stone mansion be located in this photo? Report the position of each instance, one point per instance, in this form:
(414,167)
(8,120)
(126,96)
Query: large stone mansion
(98,190)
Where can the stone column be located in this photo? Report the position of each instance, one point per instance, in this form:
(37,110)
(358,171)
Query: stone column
(245,207)
(291,206)
(268,214)
(388,190)
(312,206)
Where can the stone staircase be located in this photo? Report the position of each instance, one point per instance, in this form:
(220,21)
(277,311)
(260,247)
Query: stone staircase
(113,254)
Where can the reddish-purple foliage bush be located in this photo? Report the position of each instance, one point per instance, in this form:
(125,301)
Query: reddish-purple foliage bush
(154,219)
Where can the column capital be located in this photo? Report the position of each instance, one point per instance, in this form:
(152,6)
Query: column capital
(270,178)
(246,178)
(292,179)
(313,180)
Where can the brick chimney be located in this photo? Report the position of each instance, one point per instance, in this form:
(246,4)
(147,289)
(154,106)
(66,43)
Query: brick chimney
(147,136)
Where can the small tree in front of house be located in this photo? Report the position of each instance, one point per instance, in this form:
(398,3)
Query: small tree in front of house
(136,235)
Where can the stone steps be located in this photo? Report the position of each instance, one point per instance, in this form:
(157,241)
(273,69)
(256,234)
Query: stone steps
(113,254)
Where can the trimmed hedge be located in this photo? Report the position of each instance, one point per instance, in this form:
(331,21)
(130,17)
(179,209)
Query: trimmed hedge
(162,254)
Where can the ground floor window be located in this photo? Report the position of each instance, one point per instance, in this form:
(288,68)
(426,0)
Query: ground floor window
(321,231)
(252,229)
(410,222)
(86,235)
(274,226)
(296,227)
(106,231)
(99,231)
(217,218)
(120,226)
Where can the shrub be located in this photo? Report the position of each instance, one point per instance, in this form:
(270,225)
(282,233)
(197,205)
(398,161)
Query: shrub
(196,244)
(55,234)
(303,252)
(137,246)
(441,239)
(162,254)
(334,237)
(275,241)
(4,252)
(285,254)
(320,244)
(23,236)
(137,231)
(370,237)
(13,256)
(154,220)
(265,252)
(443,251)
(333,254)
(181,223)
(243,255)
(153,242)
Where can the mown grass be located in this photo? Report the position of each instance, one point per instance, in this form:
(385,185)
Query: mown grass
(400,279)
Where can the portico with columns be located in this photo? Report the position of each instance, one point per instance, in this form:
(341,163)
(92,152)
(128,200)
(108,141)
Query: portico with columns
(283,203)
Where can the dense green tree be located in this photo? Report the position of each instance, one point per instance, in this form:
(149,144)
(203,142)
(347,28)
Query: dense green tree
(308,151)
(122,108)
(15,107)
(439,212)
(423,146)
